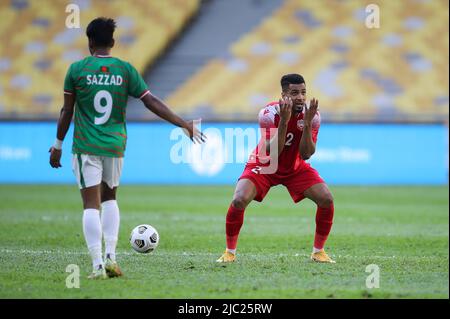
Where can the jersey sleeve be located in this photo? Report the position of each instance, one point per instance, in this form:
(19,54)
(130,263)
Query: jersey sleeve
(267,121)
(69,87)
(315,126)
(136,85)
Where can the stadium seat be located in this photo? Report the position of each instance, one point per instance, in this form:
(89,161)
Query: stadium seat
(35,53)
(396,72)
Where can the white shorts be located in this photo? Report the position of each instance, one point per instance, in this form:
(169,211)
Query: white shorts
(91,170)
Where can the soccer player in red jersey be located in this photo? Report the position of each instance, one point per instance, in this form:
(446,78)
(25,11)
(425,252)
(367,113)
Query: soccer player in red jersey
(289,135)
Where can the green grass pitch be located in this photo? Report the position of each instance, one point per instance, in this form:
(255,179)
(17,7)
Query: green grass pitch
(403,230)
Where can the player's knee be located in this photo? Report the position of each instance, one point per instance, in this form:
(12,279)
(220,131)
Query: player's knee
(240,202)
(107,193)
(326,200)
(91,204)
(107,197)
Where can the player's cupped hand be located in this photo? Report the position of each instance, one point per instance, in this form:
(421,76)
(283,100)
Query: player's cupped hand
(55,157)
(311,111)
(285,104)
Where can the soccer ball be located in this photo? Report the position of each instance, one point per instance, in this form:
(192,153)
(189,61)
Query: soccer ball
(144,238)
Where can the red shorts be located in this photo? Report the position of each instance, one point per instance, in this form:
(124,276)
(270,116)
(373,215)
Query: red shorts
(296,183)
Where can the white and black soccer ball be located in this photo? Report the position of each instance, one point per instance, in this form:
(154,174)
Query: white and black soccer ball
(144,238)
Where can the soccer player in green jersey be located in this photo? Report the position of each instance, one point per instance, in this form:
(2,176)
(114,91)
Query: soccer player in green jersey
(99,86)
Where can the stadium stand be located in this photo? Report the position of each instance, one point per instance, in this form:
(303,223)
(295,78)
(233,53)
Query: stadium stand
(37,47)
(398,72)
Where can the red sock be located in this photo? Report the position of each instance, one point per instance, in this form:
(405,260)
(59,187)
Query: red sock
(324,220)
(234,221)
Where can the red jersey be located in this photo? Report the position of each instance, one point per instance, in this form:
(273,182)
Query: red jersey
(289,161)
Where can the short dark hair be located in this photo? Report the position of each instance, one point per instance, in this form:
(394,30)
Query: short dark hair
(291,79)
(101,30)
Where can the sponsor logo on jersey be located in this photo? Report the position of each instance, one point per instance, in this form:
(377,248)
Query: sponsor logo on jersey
(300,125)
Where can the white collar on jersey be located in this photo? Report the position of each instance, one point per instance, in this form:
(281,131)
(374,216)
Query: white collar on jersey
(102,56)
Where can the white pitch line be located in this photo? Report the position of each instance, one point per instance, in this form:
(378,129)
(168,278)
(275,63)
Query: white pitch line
(68,252)
(165,253)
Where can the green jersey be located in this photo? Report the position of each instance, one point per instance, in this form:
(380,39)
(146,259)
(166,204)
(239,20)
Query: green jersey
(101,85)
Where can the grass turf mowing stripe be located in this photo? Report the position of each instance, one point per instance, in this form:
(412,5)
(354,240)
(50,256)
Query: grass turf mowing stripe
(403,230)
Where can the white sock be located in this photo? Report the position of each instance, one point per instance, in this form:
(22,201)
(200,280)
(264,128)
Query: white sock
(92,229)
(110,225)
(233,251)
(315,250)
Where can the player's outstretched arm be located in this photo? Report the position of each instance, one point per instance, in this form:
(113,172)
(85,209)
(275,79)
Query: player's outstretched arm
(307,145)
(65,118)
(158,107)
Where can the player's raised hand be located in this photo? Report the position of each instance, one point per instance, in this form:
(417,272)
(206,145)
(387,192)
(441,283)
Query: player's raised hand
(194,133)
(55,157)
(285,108)
(311,111)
